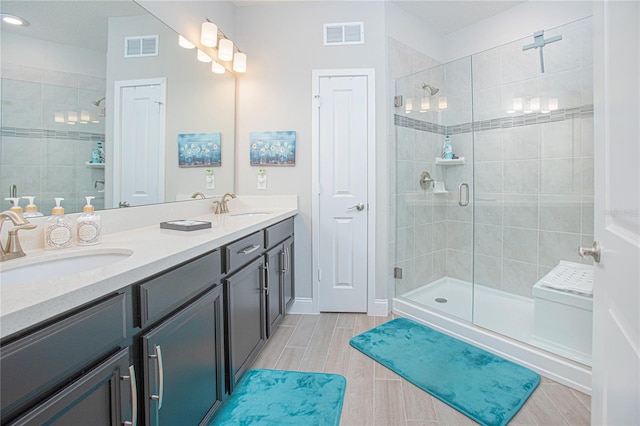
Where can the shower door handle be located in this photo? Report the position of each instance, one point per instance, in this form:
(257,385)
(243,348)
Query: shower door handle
(466,201)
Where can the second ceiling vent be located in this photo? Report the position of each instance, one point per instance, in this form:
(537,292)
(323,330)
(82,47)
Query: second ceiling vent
(344,33)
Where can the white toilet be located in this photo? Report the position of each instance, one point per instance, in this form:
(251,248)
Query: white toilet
(563,318)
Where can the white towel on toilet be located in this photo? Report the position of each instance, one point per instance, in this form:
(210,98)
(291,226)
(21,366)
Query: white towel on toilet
(570,276)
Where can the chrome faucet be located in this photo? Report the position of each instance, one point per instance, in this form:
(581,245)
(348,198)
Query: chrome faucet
(198,194)
(224,208)
(12,249)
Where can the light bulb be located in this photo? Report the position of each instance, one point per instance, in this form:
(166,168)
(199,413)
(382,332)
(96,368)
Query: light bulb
(209,34)
(203,57)
(240,62)
(183,42)
(217,68)
(225,50)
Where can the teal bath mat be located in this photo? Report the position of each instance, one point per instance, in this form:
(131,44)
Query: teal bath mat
(277,397)
(483,386)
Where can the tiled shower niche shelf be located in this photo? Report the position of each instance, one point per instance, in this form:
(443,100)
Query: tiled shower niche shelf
(94,165)
(449,162)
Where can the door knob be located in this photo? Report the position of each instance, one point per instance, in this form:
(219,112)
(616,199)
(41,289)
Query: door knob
(358,207)
(593,251)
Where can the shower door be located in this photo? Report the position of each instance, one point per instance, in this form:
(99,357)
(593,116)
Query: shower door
(478,235)
(434,208)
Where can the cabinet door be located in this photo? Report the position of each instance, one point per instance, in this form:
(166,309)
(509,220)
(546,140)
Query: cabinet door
(184,364)
(275,290)
(103,396)
(246,318)
(288,282)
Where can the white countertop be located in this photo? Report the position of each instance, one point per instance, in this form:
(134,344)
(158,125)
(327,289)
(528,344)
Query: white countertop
(153,250)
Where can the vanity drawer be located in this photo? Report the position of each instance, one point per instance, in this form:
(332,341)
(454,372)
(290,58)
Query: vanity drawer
(48,357)
(244,251)
(166,292)
(277,233)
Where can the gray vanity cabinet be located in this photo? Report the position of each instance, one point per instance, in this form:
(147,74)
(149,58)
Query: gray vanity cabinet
(182,343)
(103,396)
(245,304)
(66,366)
(279,258)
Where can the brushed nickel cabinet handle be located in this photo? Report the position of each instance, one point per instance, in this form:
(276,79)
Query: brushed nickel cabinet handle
(160,368)
(248,250)
(134,396)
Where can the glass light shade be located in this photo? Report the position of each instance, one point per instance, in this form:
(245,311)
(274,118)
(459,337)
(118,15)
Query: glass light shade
(72,117)
(203,57)
(85,116)
(425,104)
(517,104)
(59,117)
(225,50)
(408,106)
(442,102)
(553,104)
(183,42)
(217,68)
(209,34)
(535,104)
(240,62)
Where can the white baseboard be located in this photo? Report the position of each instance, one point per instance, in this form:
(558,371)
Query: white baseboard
(379,308)
(303,305)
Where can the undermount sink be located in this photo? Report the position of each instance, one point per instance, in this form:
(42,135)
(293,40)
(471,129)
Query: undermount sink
(56,265)
(249,213)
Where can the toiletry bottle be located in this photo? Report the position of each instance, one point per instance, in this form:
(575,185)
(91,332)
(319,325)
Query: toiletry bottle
(58,229)
(31,210)
(89,228)
(15,205)
(447,149)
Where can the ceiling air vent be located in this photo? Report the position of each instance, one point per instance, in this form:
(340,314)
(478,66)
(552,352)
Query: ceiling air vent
(345,33)
(141,46)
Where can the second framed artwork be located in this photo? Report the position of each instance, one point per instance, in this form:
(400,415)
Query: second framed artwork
(272,148)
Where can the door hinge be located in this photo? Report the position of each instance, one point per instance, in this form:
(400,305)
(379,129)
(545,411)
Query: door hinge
(397,101)
(319,275)
(397,273)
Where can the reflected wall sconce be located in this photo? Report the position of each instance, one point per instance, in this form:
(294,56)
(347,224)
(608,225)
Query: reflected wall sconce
(211,36)
(408,106)
(442,102)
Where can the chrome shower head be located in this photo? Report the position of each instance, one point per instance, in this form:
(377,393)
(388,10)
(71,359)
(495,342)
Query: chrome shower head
(432,90)
(98,101)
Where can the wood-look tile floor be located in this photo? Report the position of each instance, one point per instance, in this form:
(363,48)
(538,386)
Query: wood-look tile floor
(377,396)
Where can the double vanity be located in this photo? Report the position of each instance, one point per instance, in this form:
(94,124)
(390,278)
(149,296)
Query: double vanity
(157,331)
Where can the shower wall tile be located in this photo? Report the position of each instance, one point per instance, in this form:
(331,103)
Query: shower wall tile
(488,208)
(587,215)
(521,176)
(19,113)
(439,264)
(423,268)
(455,212)
(439,209)
(423,239)
(521,143)
(56,179)
(518,65)
(487,271)
(560,213)
(586,126)
(561,176)
(23,90)
(28,179)
(557,246)
(561,139)
(521,210)
(459,235)
(405,146)
(488,146)
(586,86)
(488,176)
(423,211)
(20,151)
(61,153)
(520,244)
(21,72)
(519,278)
(460,264)
(439,235)
(487,72)
(61,95)
(488,240)
(587,176)
(487,104)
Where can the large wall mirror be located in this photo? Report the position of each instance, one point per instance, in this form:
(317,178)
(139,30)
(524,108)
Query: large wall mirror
(83,80)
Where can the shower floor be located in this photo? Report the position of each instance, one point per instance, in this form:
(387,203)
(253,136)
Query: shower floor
(504,313)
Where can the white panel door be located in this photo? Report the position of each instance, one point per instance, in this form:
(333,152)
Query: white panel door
(142,144)
(616,338)
(343,194)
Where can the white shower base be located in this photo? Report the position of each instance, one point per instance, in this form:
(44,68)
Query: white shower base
(500,312)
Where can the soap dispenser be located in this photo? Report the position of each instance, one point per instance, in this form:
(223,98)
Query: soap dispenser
(15,205)
(89,228)
(58,229)
(31,210)
(447,149)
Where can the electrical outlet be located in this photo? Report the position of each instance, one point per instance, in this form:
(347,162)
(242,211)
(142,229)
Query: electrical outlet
(262,181)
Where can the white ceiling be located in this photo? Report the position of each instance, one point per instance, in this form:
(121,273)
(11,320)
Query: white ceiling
(447,16)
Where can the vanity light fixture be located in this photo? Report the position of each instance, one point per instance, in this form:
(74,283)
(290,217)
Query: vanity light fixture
(225,49)
(425,104)
(240,62)
(217,68)
(183,42)
(442,102)
(72,117)
(408,106)
(84,117)
(58,117)
(8,18)
(209,34)
(203,57)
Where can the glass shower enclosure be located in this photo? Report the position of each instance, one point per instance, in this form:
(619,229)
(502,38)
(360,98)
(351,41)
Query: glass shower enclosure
(490,236)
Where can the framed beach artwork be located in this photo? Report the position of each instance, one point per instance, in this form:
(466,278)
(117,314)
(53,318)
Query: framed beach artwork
(272,148)
(199,150)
